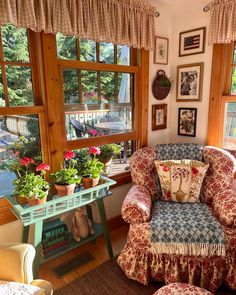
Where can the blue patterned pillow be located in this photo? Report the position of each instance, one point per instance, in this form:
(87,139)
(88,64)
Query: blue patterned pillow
(178,151)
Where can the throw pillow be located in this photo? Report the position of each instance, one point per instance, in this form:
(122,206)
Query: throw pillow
(181,180)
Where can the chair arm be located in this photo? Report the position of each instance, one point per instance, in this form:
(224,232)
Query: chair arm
(16,262)
(224,207)
(136,207)
(45,285)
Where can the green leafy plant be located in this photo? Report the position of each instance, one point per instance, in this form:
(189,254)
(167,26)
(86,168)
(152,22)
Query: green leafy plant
(31,184)
(90,166)
(68,174)
(108,151)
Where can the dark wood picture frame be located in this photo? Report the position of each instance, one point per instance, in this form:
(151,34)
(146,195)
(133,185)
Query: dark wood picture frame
(192,42)
(161,50)
(189,82)
(187,121)
(159,116)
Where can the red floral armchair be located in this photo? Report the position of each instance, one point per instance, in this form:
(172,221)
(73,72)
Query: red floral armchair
(137,259)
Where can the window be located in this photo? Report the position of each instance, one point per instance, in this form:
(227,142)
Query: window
(222,112)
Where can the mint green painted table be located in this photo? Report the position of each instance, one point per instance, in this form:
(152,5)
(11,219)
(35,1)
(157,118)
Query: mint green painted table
(37,214)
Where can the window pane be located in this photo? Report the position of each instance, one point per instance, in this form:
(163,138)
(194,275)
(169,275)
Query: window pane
(20,88)
(106,53)
(89,86)
(20,138)
(66,46)
(233,81)
(87,50)
(124,84)
(71,86)
(229,138)
(123,55)
(2,97)
(107,86)
(15,44)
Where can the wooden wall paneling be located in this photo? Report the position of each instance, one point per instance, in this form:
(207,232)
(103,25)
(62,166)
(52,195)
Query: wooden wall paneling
(54,100)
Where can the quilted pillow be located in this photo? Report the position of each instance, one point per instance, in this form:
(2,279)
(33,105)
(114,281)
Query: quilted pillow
(181,180)
(13,288)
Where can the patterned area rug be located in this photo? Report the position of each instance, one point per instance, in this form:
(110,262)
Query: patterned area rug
(109,279)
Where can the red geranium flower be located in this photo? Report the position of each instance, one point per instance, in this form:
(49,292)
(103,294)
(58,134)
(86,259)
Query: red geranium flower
(42,167)
(26,161)
(93,132)
(69,155)
(94,151)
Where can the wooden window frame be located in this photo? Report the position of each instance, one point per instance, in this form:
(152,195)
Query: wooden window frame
(219,91)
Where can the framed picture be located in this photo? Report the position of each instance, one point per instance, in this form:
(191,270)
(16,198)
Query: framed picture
(159,116)
(192,42)
(187,121)
(161,50)
(189,82)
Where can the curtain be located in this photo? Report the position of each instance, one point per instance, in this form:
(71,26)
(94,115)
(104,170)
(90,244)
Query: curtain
(222,27)
(129,22)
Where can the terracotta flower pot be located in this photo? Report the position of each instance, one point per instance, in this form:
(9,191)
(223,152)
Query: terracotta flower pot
(33,201)
(89,182)
(107,164)
(64,190)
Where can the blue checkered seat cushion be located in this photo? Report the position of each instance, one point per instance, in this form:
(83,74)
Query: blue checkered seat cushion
(178,151)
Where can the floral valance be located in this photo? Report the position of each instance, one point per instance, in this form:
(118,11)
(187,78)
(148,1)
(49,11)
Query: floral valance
(222,28)
(129,22)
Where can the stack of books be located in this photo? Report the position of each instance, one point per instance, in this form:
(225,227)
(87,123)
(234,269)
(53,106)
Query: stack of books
(55,238)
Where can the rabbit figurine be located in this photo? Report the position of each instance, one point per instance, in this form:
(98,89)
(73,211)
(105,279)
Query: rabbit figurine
(81,226)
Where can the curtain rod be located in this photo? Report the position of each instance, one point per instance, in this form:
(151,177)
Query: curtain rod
(206,7)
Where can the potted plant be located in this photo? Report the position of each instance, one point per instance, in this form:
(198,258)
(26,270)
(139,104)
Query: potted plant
(90,167)
(31,185)
(108,151)
(67,177)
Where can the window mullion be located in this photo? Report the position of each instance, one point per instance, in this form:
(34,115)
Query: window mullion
(4,82)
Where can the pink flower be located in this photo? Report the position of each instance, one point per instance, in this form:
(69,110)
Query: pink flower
(26,161)
(166,169)
(17,153)
(194,171)
(86,93)
(92,93)
(42,167)
(94,151)
(69,155)
(93,132)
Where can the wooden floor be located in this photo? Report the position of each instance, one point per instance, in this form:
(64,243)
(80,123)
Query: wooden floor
(97,250)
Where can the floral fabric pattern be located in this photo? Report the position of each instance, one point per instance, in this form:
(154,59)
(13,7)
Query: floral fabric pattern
(224,207)
(181,180)
(219,176)
(137,205)
(181,289)
(143,171)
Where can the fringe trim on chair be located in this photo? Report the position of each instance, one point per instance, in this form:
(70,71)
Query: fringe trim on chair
(188,249)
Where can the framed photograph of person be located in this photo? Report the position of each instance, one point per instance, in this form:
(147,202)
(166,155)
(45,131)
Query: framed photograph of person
(192,42)
(159,116)
(161,50)
(187,121)
(189,82)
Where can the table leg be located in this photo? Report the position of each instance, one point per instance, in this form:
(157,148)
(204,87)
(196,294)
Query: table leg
(38,228)
(25,237)
(103,218)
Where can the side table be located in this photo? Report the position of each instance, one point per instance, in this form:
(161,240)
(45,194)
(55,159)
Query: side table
(37,214)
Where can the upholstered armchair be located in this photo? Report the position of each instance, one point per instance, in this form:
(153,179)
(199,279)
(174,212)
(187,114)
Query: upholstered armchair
(138,260)
(16,275)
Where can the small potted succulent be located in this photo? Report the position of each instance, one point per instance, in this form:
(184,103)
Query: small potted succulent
(108,151)
(67,177)
(90,167)
(30,184)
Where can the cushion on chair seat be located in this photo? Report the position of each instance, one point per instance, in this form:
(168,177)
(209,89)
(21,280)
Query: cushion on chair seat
(181,289)
(12,288)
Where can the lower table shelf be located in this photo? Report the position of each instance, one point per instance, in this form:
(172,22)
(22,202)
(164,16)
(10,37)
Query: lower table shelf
(98,231)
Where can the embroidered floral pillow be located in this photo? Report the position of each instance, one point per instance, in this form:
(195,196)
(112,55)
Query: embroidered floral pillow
(181,180)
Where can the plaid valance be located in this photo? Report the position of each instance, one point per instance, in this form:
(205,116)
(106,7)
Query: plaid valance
(129,22)
(222,27)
